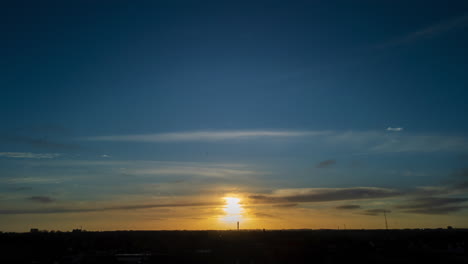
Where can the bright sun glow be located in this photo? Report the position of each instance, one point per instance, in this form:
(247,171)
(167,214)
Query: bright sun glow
(233,210)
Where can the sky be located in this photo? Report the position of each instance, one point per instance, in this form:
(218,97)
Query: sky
(165,115)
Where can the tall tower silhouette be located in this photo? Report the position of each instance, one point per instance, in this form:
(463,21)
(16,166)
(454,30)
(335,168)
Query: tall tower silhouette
(385,216)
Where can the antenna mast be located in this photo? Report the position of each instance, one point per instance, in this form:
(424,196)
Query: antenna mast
(385,216)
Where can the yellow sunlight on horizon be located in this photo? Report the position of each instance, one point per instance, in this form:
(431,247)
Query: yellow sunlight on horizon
(233,210)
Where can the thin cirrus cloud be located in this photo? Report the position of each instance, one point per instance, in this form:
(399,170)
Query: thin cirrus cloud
(348,207)
(169,168)
(306,195)
(421,143)
(59,210)
(382,142)
(395,129)
(33,180)
(206,136)
(429,32)
(40,143)
(375,211)
(429,200)
(29,155)
(196,171)
(41,199)
(434,205)
(361,141)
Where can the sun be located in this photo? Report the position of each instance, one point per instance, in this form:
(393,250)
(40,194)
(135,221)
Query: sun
(233,210)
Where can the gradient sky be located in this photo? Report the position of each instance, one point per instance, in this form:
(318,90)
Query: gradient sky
(315,114)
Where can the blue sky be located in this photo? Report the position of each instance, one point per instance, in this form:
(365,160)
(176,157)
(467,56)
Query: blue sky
(126,103)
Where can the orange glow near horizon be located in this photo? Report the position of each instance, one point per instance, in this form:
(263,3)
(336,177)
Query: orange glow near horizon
(233,210)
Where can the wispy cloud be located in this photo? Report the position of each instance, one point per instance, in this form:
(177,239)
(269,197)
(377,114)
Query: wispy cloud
(195,171)
(59,210)
(348,207)
(287,205)
(382,142)
(429,32)
(264,215)
(305,195)
(434,205)
(31,180)
(421,143)
(21,188)
(375,211)
(419,200)
(360,141)
(133,172)
(29,155)
(41,143)
(41,199)
(395,129)
(206,136)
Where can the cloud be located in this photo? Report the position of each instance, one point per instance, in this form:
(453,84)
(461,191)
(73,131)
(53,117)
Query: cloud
(459,181)
(461,186)
(429,191)
(195,171)
(429,32)
(21,188)
(306,195)
(42,143)
(434,205)
(325,164)
(432,202)
(364,142)
(288,205)
(264,215)
(419,143)
(41,199)
(375,211)
(395,129)
(59,210)
(449,189)
(378,142)
(438,210)
(31,180)
(29,155)
(348,207)
(435,199)
(206,136)
(461,173)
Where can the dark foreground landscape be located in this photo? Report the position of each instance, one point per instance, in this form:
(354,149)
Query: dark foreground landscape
(285,246)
